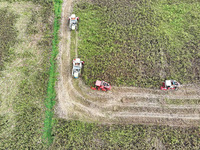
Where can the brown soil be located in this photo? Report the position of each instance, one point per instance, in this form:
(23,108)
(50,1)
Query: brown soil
(122,104)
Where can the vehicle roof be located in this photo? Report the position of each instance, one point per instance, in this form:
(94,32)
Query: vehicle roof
(168,82)
(98,83)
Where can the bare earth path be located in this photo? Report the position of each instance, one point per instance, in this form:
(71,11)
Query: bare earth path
(121,104)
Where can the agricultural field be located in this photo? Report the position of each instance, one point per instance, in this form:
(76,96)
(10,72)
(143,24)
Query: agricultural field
(29,43)
(139,43)
(80,135)
(25,47)
(97,31)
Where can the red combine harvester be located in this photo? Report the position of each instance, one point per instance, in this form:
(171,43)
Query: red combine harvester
(170,84)
(101,85)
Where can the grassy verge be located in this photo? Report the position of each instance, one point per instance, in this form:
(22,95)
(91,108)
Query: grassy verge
(51,94)
(139,43)
(24,77)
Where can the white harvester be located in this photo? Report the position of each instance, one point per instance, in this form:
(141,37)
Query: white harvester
(73,22)
(77,65)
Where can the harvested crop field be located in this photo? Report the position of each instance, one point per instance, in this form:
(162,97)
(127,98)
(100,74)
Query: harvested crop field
(25,46)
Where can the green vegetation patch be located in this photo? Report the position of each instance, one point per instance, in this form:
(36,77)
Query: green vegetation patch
(139,43)
(80,135)
(51,93)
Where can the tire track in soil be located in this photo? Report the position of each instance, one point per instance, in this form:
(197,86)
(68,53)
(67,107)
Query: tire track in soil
(121,105)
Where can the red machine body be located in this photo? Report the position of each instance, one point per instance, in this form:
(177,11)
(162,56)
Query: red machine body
(170,84)
(101,85)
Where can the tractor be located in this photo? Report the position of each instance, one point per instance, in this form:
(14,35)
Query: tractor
(73,22)
(101,85)
(170,84)
(77,65)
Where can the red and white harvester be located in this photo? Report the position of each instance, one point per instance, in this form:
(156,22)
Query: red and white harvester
(170,84)
(77,66)
(101,85)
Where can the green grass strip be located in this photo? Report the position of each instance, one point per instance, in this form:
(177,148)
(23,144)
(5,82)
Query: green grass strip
(51,93)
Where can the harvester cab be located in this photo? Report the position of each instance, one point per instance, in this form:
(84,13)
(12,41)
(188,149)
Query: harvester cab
(101,85)
(170,84)
(73,22)
(77,65)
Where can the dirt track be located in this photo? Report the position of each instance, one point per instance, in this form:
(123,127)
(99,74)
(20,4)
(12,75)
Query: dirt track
(121,104)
